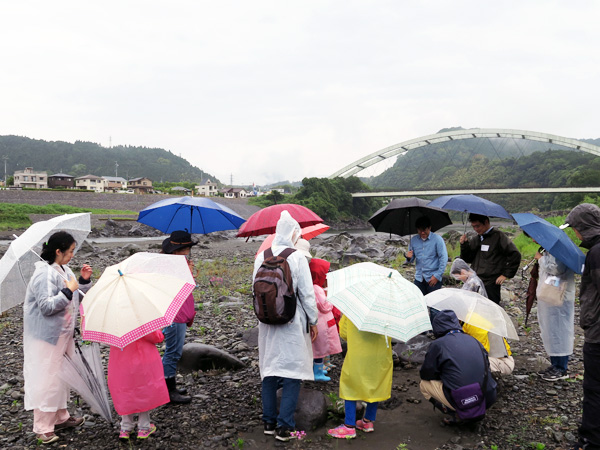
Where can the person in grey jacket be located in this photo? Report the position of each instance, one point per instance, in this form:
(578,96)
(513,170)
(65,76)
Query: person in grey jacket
(585,221)
(49,317)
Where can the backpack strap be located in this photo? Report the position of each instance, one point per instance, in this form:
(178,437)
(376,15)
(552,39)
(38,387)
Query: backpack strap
(268,253)
(287,252)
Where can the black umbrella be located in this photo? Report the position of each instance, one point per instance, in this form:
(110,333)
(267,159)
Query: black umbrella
(400,215)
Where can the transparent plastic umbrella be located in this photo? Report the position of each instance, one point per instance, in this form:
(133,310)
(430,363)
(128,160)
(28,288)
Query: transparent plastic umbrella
(17,264)
(84,373)
(474,309)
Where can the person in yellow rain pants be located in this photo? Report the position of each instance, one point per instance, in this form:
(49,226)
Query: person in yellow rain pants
(366,376)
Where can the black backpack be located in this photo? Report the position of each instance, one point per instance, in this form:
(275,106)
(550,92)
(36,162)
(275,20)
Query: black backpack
(273,289)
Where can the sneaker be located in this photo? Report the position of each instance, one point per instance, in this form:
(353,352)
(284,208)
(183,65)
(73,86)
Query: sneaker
(342,432)
(544,371)
(47,438)
(143,434)
(555,375)
(124,434)
(365,426)
(270,428)
(283,434)
(71,422)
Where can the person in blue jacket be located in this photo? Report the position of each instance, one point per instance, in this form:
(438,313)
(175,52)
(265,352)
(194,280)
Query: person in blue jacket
(429,251)
(454,360)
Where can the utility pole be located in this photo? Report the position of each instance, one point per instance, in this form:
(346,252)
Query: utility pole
(116,169)
(110,142)
(231,180)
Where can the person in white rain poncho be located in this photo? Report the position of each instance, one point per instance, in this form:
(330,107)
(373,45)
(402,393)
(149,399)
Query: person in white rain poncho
(49,316)
(285,351)
(462,272)
(556,321)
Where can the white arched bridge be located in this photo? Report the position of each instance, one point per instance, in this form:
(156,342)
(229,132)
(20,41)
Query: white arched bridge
(490,133)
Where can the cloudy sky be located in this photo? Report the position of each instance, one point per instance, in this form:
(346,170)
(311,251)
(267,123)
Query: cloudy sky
(264,91)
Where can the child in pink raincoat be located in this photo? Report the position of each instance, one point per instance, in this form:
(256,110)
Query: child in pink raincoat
(328,339)
(137,384)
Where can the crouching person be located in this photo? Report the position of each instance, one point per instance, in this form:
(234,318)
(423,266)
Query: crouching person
(455,375)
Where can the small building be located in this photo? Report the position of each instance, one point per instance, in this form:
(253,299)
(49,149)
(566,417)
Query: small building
(234,193)
(90,182)
(206,188)
(114,184)
(29,178)
(61,181)
(140,185)
(181,190)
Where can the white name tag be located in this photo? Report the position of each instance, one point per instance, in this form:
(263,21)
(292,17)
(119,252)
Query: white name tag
(485,248)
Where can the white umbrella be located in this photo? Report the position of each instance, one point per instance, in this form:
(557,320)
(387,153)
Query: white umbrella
(474,309)
(379,300)
(131,299)
(17,264)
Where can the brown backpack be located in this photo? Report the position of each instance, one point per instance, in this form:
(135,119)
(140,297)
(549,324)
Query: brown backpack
(273,292)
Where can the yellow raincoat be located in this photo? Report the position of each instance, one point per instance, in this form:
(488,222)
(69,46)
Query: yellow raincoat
(368,366)
(483,337)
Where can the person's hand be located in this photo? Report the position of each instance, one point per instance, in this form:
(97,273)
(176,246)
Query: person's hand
(86,272)
(538,255)
(409,254)
(433,281)
(72,284)
(500,279)
(314,332)
(463,239)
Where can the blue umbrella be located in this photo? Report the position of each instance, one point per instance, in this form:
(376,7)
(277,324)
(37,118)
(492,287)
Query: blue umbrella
(197,215)
(470,203)
(553,239)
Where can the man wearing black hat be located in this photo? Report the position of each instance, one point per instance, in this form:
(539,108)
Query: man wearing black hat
(179,243)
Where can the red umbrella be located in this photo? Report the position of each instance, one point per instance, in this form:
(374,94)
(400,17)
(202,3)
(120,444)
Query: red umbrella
(265,220)
(307,233)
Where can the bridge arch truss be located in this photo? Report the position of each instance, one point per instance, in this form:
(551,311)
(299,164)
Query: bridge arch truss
(403,147)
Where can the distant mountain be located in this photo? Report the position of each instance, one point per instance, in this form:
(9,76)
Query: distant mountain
(82,158)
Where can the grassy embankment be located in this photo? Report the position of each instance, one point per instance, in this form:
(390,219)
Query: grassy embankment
(16,215)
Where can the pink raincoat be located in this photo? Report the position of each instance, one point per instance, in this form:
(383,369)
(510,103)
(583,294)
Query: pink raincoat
(328,339)
(136,378)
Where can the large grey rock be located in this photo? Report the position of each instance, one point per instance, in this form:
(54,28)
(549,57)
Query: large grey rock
(414,349)
(311,410)
(206,357)
(250,337)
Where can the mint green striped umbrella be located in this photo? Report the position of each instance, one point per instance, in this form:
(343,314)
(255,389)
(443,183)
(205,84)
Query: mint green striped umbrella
(379,300)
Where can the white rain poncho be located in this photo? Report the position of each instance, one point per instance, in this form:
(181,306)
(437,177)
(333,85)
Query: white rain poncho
(557,322)
(285,350)
(48,322)
(473,282)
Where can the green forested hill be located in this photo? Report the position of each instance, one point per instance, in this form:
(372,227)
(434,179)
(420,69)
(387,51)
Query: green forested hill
(497,163)
(82,158)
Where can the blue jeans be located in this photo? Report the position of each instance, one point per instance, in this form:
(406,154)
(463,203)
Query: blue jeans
(425,288)
(174,340)
(289,399)
(560,362)
(350,408)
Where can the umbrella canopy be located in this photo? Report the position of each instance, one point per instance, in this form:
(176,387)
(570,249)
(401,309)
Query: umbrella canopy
(399,216)
(265,220)
(131,299)
(553,239)
(17,264)
(307,233)
(379,300)
(197,215)
(474,309)
(470,203)
(84,373)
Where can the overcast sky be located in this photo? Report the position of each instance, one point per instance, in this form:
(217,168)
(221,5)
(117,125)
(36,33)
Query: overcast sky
(280,90)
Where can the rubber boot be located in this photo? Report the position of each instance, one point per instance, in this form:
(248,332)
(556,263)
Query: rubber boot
(319,372)
(174,395)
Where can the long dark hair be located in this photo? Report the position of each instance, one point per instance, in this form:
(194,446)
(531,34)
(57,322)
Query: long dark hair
(61,240)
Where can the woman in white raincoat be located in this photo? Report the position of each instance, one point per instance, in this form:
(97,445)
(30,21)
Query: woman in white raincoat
(50,312)
(285,351)
(556,322)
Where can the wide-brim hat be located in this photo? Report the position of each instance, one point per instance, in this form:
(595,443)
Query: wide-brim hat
(303,246)
(179,239)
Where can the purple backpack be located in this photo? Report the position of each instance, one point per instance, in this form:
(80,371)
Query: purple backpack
(470,400)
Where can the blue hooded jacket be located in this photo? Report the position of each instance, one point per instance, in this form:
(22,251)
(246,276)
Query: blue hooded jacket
(456,358)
